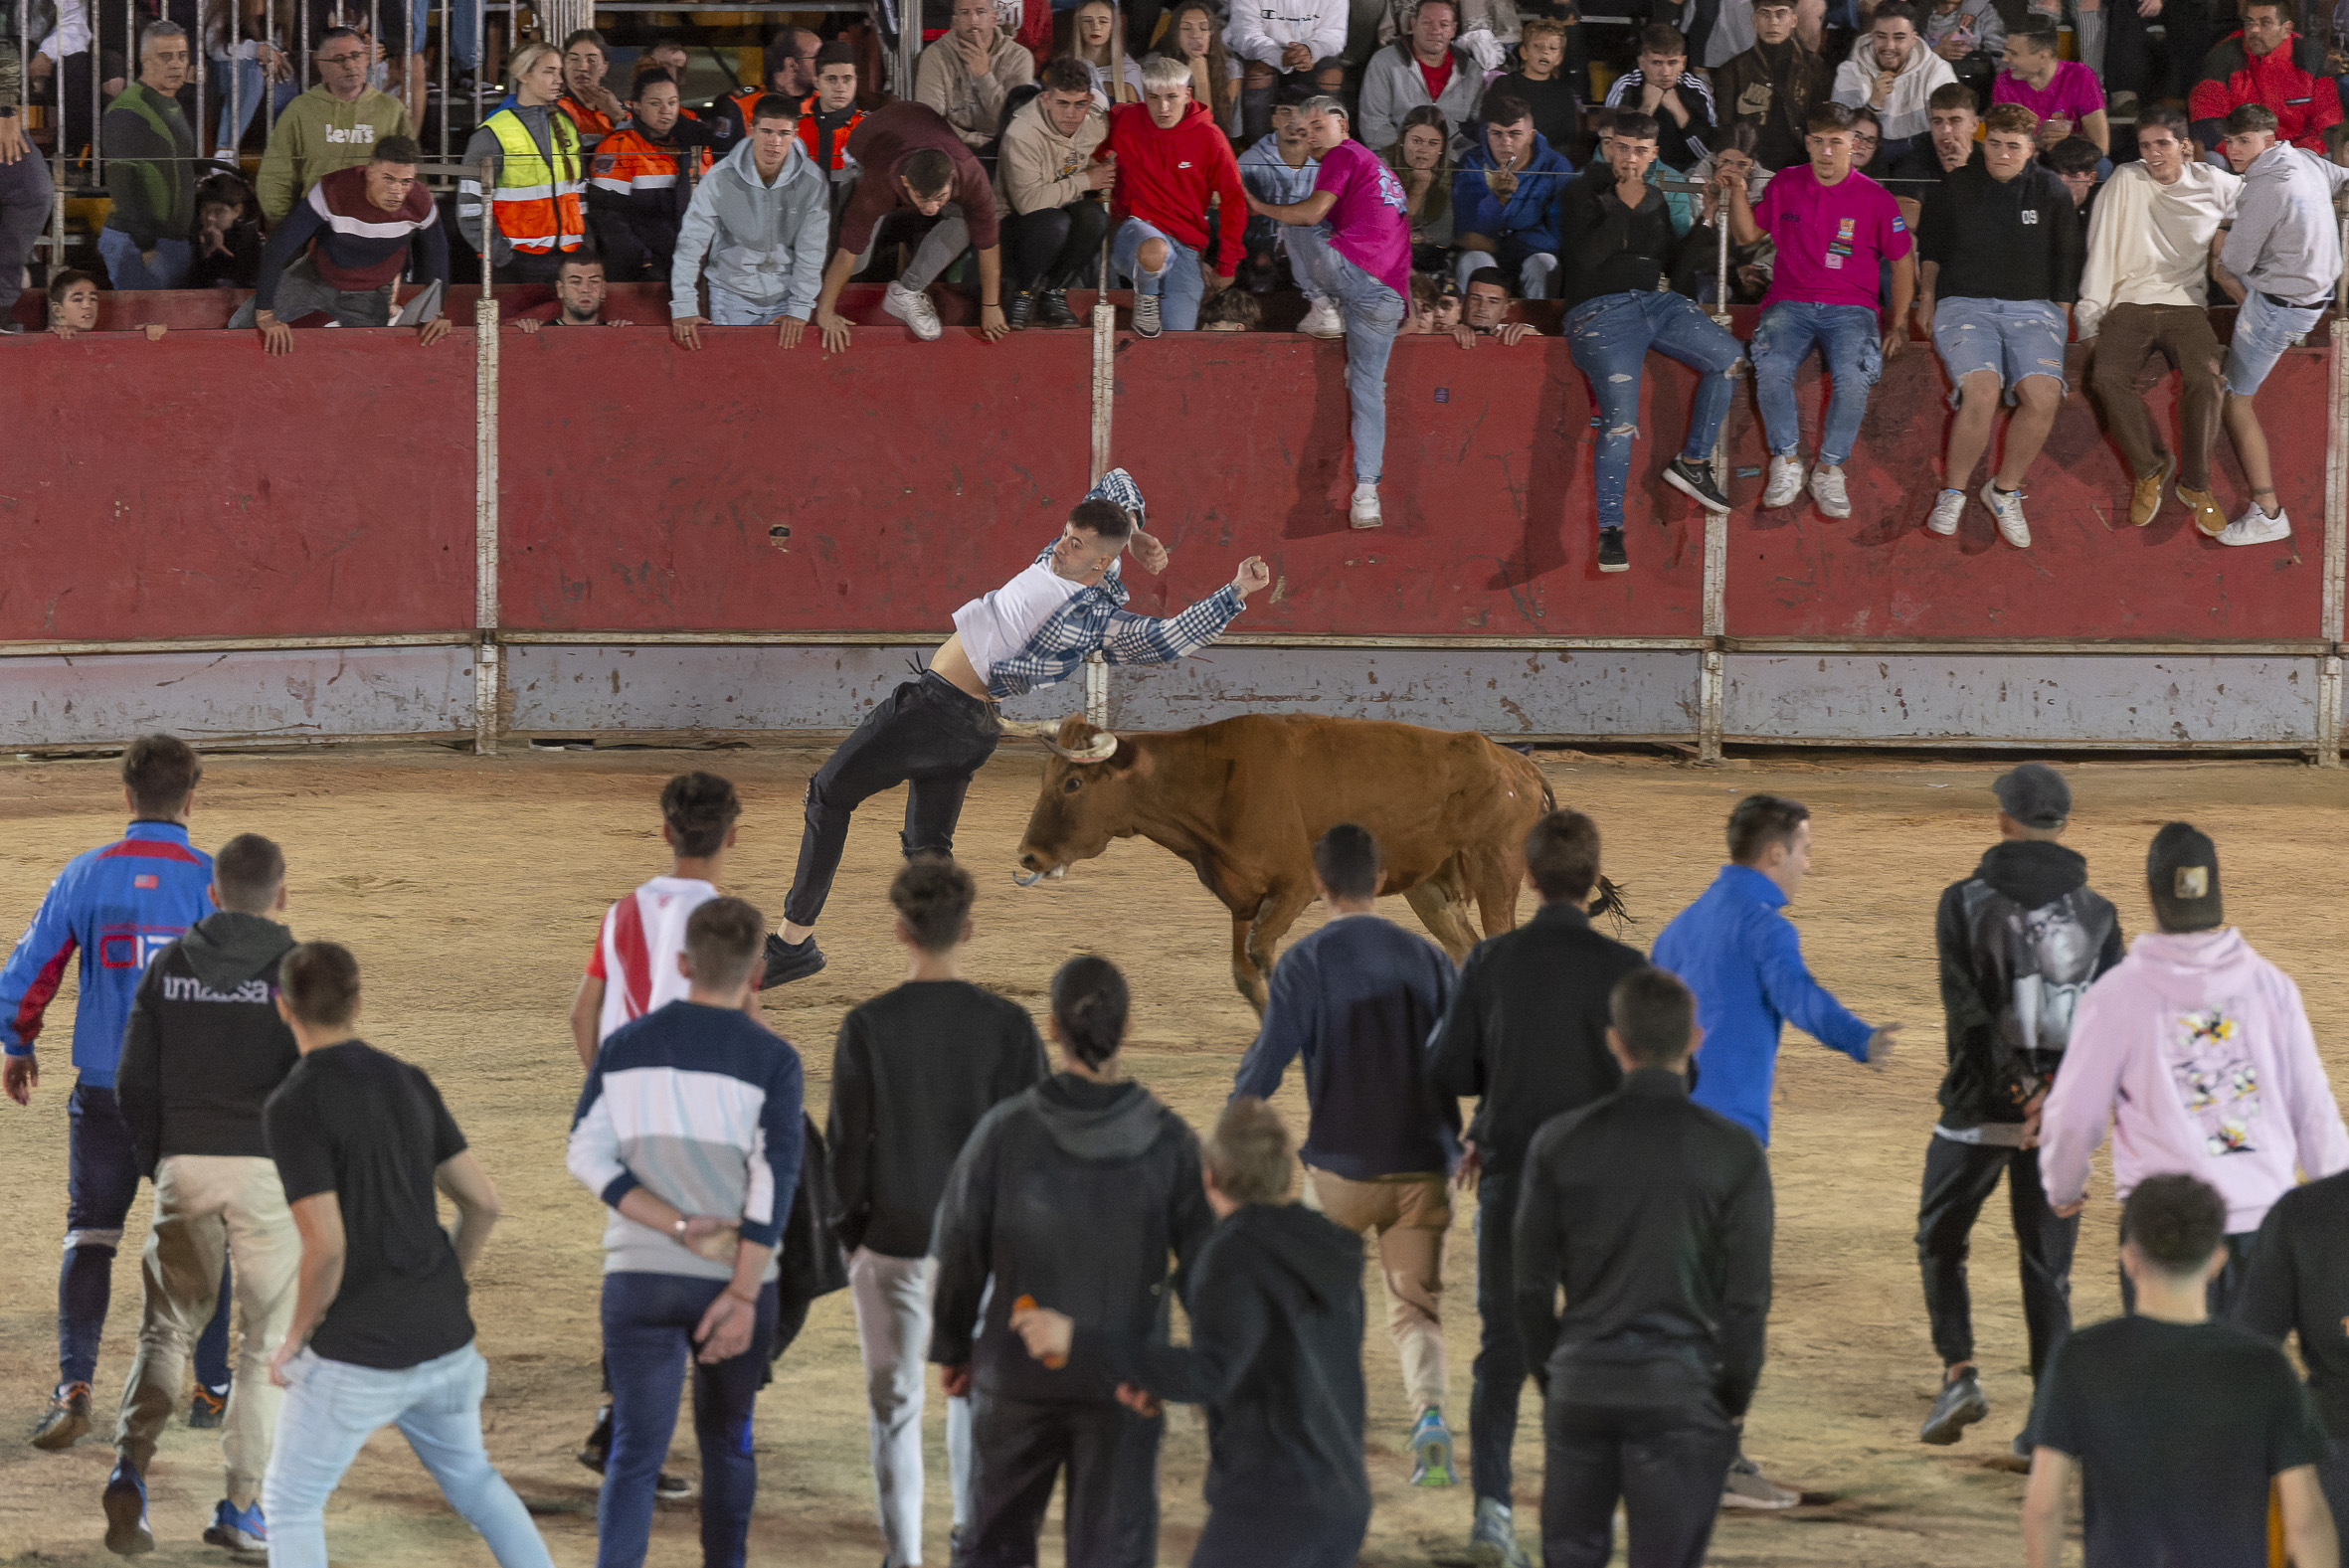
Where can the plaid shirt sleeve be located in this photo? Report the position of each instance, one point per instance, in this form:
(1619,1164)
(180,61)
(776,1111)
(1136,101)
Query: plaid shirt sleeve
(1145,639)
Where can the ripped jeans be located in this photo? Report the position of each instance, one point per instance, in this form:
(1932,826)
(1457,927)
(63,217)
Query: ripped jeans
(1610,337)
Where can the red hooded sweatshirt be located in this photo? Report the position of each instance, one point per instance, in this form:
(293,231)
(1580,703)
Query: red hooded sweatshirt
(2291,82)
(1164,178)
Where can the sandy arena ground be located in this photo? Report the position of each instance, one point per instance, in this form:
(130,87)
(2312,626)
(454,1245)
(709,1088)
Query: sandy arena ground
(470,891)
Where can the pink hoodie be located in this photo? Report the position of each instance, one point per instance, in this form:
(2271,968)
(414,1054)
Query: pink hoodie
(2199,1052)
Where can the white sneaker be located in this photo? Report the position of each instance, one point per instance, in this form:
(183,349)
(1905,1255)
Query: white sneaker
(1748,1487)
(2256,527)
(2007,508)
(1323,320)
(1364,513)
(1827,489)
(913,307)
(1948,507)
(1786,481)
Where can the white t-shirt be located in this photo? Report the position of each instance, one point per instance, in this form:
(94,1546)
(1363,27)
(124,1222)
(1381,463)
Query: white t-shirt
(998,623)
(636,951)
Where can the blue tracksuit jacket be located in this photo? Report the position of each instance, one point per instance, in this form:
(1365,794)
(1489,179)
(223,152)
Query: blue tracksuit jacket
(118,906)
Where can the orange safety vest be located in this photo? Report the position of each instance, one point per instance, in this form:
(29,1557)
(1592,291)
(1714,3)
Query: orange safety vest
(537,207)
(593,125)
(839,147)
(628,164)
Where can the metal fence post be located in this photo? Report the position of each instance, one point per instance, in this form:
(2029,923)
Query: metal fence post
(1716,532)
(488,688)
(2336,543)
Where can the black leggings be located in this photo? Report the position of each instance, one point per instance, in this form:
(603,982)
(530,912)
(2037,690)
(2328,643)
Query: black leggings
(1050,247)
(929,734)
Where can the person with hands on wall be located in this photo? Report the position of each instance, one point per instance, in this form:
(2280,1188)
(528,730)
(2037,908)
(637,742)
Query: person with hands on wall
(762,219)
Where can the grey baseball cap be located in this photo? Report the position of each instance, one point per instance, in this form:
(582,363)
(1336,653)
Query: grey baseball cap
(2035,796)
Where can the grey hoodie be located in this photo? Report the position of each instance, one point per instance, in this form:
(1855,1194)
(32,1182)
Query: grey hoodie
(763,243)
(204,1047)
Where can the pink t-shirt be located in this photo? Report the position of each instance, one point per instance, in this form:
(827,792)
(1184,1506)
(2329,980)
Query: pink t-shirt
(2073,95)
(1371,225)
(1829,237)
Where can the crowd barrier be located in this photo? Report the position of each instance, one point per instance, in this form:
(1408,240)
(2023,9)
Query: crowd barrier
(748,539)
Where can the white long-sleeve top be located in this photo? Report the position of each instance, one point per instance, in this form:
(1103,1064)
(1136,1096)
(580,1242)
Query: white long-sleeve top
(2149,244)
(1261,29)
(71,36)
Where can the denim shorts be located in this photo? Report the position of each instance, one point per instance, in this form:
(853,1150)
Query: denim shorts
(2016,338)
(2264,329)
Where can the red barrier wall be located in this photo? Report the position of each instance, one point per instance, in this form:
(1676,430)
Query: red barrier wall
(195,487)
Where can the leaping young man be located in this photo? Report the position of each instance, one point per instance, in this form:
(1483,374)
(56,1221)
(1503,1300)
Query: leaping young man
(936,731)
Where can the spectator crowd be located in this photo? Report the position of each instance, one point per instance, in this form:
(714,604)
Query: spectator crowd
(1937,166)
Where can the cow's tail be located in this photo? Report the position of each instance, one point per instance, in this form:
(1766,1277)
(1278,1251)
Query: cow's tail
(1608,901)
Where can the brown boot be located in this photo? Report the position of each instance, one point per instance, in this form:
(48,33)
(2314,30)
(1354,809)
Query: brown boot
(2145,494)
(2206,515)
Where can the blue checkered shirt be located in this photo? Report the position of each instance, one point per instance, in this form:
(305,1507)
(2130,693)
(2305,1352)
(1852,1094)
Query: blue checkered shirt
(1095,617)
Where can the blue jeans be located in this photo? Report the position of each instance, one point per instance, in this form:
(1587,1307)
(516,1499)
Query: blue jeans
(333,1407)
(1374,312)
(1852,345)
(464,16)
(2013,339)
(126,268)
(1610,337)
(1180,287)
(648,1324)
(2264,329)
(251,85)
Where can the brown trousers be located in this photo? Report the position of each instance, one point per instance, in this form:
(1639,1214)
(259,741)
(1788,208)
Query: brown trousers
(2129,336)
(1410,1215)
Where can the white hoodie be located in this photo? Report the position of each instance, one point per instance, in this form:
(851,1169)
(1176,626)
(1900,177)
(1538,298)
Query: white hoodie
(1903,112)
(2199,1052)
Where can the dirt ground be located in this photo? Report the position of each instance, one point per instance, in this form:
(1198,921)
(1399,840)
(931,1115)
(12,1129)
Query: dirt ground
(471,890)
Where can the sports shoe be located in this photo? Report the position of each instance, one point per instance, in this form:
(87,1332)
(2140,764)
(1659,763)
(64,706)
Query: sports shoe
(913,307)
(207,1410)
(1323,320)
(1827,490)
(1694,480)
(1015,313)
(1610,550)
(790,960)
(1960,1405)
(1748,1487)
(1052,310)
(1431,1450)
(2207,517)
(596,1452)
(1493,1542)
(1786,481)
(1364,513)
(125,1502)
(1145,316)
(2122,105)
(2007,508)
(67,1420)
(671,1488)
(2145,494)
(1948,507)
(2256,527)
(237,1529)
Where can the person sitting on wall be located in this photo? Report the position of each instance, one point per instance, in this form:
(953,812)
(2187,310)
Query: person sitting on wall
(1047,183)
(342,251)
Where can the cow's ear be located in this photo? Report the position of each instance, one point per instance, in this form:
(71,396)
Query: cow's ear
(1132,760)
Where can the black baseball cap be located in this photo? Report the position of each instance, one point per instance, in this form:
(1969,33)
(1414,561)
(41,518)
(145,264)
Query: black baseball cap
(2035,796)
(2182,875)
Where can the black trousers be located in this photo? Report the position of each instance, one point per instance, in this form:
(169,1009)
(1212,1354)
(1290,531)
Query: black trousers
(929,734)
(1500,1369)
(1665,1463)
(1282,1533)
(1958,1181)
(2225,1285)
(530,267)
(26,198)
(1050,247)
(2189,29)
(1018,1451)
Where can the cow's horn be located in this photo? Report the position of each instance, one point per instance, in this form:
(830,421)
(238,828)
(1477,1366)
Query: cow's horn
(1100,749)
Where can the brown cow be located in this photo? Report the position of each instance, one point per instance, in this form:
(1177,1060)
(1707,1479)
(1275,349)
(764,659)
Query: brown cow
(1243,801)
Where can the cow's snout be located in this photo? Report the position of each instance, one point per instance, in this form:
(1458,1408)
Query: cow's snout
(1032,861)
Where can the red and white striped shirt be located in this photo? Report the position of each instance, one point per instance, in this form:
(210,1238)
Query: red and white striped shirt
(637,953)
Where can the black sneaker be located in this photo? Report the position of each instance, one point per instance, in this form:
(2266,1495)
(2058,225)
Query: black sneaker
(1610,550)
(1052,310)
(1695,479)
(790,960)
(207,1410)
(1015,314)
(668,1487)
(598,1446)
(1962,1405)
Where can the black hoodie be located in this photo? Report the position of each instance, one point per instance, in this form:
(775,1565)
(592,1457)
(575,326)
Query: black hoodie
(1072,1193)
(2019,940)
(1276,1356)
(205,1046)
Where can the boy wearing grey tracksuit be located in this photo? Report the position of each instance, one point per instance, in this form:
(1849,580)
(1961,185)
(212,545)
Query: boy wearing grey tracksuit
(763,233)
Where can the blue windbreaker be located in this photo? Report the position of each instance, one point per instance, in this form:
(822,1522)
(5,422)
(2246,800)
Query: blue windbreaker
(1745,961)
(119,905)
(1530,213)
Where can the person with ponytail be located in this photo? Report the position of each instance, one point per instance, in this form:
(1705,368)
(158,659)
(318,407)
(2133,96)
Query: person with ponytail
(1073,1196)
